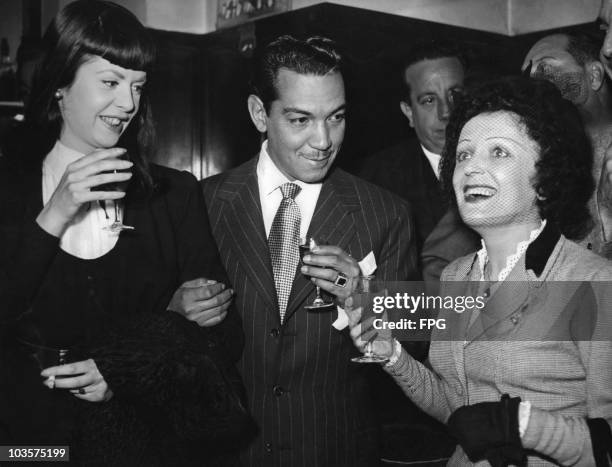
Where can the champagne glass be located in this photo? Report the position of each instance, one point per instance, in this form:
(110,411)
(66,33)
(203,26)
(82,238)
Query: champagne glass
(366,290)
(319,302)
(117,225)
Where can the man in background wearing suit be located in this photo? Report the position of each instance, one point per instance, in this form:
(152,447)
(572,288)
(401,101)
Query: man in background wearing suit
(432,73)
(310,402)
(605,15)
(571,62)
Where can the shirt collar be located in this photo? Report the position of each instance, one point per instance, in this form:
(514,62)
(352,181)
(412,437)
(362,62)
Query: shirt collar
(512,260)
(270,177)
(60,157)
(541,248)
(434,161)
(430,154)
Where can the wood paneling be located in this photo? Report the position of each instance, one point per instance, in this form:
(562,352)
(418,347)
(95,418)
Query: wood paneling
(200,101)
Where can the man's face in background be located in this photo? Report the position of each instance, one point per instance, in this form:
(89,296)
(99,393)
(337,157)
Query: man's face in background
(433,84)
(605,15)
(550,60)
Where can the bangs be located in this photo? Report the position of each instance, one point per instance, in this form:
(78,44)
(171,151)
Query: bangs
(105,29)
(120,41)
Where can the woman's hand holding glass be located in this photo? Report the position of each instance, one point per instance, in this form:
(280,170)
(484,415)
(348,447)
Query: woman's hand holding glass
(82,378)
(77,187)
(367,339)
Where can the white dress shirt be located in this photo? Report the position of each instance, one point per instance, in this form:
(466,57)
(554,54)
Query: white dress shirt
(269,179)
(85,236)
(434,161)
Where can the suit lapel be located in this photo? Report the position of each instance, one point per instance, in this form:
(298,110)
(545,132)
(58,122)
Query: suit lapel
(332,222)
(431,190)
(244,222)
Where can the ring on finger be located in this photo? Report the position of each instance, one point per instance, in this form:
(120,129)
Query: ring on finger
(81,391)
(341,280)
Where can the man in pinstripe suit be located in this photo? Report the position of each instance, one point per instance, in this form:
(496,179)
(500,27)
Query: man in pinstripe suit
(309,400)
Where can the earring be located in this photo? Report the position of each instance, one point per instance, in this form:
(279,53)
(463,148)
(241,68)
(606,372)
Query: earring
(58,94)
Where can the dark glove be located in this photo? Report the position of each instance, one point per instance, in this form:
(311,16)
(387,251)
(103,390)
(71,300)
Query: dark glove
(489,430)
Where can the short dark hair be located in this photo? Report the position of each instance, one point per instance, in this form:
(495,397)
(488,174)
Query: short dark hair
(563,181)
(81,30)
(316,55)
(583,48)
(429,50)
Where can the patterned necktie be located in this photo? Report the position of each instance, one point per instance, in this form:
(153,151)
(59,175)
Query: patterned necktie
(284,243)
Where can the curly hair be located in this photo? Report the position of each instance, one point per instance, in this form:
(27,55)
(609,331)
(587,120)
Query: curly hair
(563,181)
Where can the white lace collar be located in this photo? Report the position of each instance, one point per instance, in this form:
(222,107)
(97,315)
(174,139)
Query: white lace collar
(511,260)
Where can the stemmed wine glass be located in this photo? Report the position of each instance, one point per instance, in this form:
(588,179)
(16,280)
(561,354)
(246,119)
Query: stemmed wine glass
(117,225)
(366,290)
(319,302)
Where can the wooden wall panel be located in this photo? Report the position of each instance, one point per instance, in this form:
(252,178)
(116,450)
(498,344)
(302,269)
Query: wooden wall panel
(204,116)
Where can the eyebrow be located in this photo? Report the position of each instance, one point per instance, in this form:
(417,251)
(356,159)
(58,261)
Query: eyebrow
(119,75)
(297,110)
(425,94)
(494,137)
(114,72)
(547,57)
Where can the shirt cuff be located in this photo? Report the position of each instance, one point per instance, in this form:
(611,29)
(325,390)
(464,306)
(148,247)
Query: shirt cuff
(524,412)
(397,351)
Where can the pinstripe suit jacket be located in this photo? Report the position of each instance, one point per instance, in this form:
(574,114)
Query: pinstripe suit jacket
(310,402)
(527,342)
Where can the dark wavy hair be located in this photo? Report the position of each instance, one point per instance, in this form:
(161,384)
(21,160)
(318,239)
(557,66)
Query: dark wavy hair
(316,55)
(564,180)
(83,29)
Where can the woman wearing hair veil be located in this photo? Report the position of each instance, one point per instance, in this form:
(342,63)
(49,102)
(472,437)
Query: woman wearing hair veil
(527,379)
(91,357)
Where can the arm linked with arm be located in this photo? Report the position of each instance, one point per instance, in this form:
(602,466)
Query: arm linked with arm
(199,257)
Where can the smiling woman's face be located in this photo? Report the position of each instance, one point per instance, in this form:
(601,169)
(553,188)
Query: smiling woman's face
(99,105)
(494,171)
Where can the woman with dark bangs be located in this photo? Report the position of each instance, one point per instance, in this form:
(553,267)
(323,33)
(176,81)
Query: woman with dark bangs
(94,241)
(526,378)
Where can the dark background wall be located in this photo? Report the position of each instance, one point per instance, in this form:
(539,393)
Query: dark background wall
(200,89)
(202,86)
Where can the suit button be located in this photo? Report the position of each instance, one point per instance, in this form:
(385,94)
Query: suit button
(268,447)
(278,391)
(275,332)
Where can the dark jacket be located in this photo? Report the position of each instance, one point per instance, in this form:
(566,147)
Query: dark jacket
(404,170)
(312,404)
(113,309)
